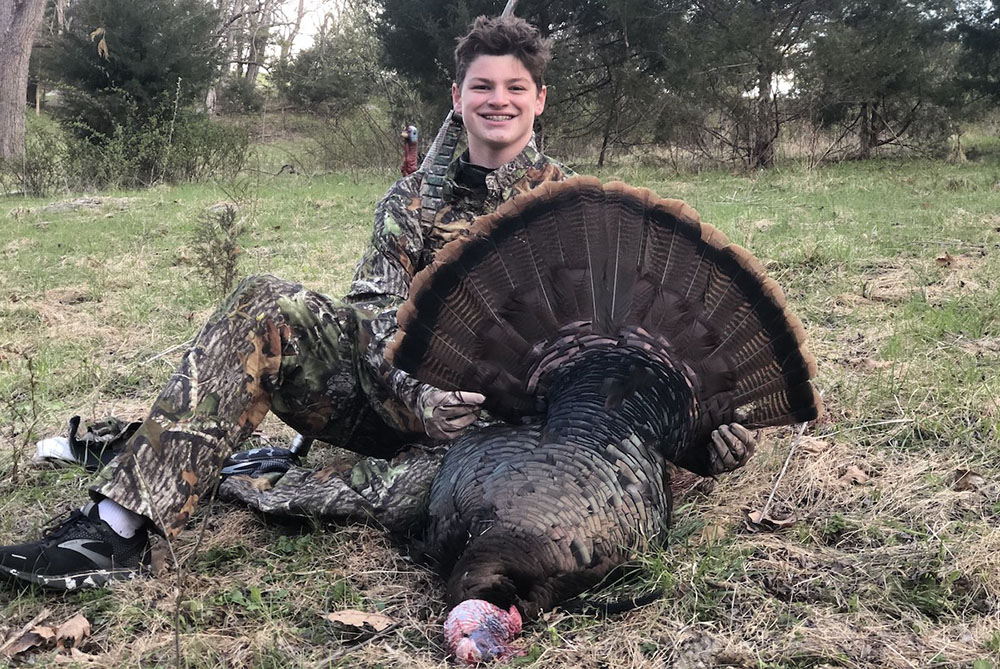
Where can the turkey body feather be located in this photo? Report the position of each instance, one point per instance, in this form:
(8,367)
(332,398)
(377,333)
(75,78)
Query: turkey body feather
(533,514)
(614,331)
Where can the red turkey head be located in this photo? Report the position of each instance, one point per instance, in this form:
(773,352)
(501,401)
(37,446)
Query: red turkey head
(477,631)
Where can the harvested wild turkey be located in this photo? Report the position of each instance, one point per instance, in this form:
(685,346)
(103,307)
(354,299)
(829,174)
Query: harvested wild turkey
(614,331)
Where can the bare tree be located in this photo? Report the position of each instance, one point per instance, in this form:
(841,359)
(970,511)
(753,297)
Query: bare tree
(293,32)
(19,19)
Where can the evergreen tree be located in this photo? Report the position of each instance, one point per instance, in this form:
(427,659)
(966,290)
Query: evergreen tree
(125,60)
(884,72)
(980,59)
(337,73)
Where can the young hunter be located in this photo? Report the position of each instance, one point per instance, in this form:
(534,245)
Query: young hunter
(318,362)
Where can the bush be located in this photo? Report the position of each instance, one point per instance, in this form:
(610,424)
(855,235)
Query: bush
(41,170)
(158,52)
(360,140)
(142,151)
(216,246)
(239,96)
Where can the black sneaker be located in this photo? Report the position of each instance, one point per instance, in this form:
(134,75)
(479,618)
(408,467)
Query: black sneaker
(81,552)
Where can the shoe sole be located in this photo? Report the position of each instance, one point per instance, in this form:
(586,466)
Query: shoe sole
(97,578)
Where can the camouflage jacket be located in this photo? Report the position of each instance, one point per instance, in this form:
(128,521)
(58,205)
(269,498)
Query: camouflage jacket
(402,245)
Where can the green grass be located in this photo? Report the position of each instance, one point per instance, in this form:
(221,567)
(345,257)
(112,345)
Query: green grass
(897,570)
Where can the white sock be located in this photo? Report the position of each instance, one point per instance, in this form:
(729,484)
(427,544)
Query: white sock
(122,521)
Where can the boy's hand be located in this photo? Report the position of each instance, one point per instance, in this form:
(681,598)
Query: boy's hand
(732,445)
(445,413)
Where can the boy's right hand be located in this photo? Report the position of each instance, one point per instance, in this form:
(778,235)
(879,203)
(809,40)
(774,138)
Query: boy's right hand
(445,413)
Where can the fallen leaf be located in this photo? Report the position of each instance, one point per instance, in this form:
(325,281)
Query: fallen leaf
(5,649)
(944,260)
(966,479)
(758,518)
(73,631)
(360,619)
(712,533)
(45,631)
(260,483)
(813,446)
(853,475)
(25,642)
(77,657)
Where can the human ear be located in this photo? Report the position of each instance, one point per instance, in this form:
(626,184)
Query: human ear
(540,101)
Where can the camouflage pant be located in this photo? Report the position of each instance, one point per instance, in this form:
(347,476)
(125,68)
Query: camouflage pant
(272,346)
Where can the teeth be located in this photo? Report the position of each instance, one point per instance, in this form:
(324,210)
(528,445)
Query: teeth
(495,117)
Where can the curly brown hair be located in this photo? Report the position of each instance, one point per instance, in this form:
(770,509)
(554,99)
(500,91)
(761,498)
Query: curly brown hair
(501,37)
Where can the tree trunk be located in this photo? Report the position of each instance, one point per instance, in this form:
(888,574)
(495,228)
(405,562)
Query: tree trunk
(19,19)
(608,126)
(764,121)
(865,149)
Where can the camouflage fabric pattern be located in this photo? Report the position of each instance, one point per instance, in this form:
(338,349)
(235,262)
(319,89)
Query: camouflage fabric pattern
(392,493)
(402,245)
(317,362)
(272,346)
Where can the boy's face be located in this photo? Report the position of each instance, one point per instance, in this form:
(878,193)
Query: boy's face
(498,101)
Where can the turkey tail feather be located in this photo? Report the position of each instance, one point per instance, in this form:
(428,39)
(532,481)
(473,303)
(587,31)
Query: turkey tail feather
(578,264)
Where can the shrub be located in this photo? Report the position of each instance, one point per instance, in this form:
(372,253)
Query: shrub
(237,95)
(142,151)
(40,170)
(216,247)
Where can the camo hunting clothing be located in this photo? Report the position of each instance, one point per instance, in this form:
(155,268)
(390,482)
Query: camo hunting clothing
(318,363)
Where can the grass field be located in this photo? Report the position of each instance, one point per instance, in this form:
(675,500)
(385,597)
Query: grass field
(882,532)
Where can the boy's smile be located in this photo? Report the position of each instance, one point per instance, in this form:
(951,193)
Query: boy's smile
(498,101)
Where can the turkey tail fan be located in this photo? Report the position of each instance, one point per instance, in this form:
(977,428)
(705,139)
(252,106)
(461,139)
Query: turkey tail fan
(580,264)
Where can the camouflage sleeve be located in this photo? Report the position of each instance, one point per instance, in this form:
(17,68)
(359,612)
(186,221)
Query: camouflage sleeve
(381,285)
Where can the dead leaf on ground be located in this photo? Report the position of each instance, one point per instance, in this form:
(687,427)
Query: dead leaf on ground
(258,483)
(360,619)
(966,479)
(712,533)
(869,363)
(73,631)
(813,446)
(77,657)
(25,642)
(853,475)
(769,521)
(5,648)
(944,260)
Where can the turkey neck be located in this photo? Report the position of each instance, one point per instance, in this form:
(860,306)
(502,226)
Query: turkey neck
(606,395)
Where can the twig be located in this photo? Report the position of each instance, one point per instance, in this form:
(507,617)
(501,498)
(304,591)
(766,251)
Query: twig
(784,468)
(186,342)
(170,547)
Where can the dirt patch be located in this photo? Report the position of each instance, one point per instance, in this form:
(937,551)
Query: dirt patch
(81,203)
(15,246)
(895,282)
(73,312)
(961,275)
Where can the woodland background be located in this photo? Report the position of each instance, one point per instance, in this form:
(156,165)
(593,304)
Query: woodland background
(148,91)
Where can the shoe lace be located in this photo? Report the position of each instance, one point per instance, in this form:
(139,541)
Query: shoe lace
(61,523)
